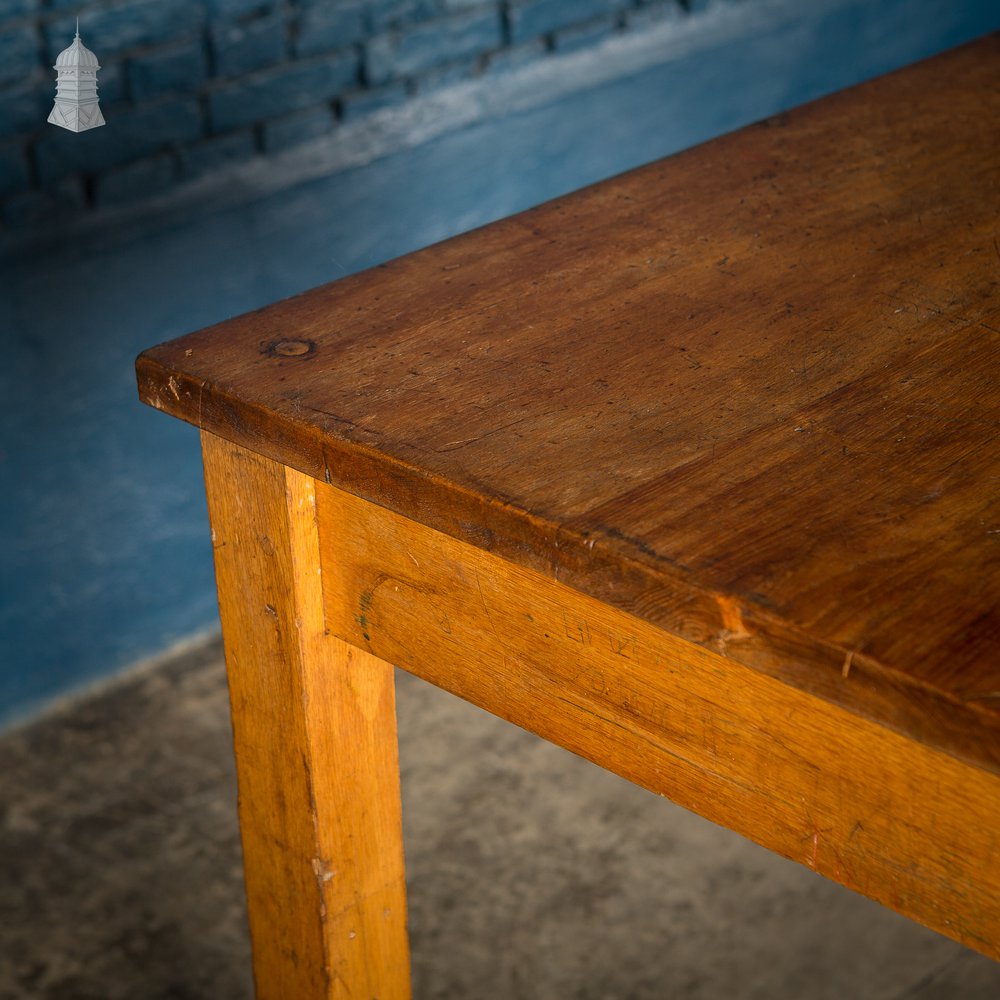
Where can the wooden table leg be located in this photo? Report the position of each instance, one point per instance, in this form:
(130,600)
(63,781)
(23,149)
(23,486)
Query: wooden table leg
(314,728)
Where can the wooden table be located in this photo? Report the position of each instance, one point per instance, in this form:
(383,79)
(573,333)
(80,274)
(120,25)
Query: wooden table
(693,472)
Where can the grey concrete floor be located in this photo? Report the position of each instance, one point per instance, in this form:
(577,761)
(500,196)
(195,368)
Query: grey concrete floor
(532,874)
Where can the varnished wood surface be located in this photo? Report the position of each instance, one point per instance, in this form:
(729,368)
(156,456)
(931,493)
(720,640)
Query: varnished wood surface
(748,394)
(314,727)
(885,815)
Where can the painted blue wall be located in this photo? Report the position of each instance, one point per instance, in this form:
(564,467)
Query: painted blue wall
(104,555)
(187,85)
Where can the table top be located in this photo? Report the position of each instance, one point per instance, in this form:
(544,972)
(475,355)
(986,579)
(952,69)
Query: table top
(749,393)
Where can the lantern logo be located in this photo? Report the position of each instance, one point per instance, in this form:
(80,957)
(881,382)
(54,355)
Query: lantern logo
(76,106)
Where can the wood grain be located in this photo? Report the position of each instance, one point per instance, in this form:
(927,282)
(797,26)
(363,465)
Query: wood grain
(749,394)
(906,825)
(315,734)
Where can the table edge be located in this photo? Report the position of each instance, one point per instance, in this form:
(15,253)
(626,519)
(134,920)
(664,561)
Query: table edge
(614,569)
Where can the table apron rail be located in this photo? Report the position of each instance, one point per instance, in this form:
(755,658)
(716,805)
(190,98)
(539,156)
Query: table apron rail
(885,815)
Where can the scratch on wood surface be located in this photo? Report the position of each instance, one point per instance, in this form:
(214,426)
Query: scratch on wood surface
(365,602)
(732,622)
(732,617)
(462,442)
(848,660)
(323,870)
(201,396)
(489,617)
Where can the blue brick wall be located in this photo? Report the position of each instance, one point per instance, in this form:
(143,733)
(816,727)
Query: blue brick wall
(105,554)
(188,86)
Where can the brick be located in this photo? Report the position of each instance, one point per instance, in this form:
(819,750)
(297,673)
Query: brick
(110,84)
(529,18)
(236,8)
(112,30)
(13,167)
(16,8)
(273,92)
(130,133)
(393,13)
(30,208)
(219,151)
(331,26)
(364,102)
(25,108)
(297,128)
(448,74)
(19,53)
(183,66)
(247,46)
(136,180)
(654,13)
(579,36)
(515,55)
(406,52)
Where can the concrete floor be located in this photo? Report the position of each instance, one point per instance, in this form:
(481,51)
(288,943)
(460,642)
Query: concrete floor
(532,873)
